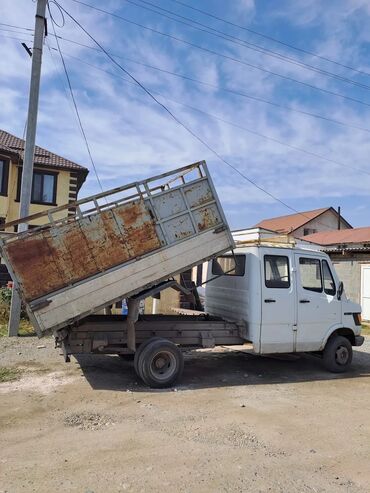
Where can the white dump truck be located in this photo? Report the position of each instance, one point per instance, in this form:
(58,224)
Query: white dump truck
(131,241)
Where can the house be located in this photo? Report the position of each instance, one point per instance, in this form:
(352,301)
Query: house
(56,180)
(306,222)
(349,250)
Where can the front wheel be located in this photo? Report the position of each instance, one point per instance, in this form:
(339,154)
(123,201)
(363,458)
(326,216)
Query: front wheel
(338,354)
(160,364)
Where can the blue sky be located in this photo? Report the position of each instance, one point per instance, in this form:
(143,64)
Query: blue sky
(132,137)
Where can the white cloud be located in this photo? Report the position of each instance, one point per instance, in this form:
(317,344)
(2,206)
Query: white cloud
(131,137)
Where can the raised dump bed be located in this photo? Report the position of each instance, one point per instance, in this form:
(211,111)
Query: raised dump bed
(115,244)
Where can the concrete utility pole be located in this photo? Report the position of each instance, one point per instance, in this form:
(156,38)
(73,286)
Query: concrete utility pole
(27,172)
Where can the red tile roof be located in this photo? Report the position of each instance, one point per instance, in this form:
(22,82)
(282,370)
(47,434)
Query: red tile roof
(12,144)
(7,150)
(342,236)
(287,224)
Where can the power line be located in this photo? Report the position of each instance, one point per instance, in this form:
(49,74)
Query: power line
(227,57)
(241,127)
(179,122)
(236,93)
(61,79)
(17,27)
(270,38)
(240,42)
(75,107)
(14,37)
(349,98)
(15,31)
(172,115)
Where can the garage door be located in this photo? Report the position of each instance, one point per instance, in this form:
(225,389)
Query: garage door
(365,292)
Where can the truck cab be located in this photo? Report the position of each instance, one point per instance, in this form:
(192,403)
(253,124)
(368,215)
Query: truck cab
(290,300)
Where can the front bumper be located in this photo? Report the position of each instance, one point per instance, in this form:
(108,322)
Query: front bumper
(359,340)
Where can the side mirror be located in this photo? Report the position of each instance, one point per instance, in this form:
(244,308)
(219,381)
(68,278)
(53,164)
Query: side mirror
(340,290)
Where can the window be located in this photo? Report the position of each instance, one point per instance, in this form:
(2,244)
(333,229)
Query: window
(309,231)
(277,271)
(329,284)
(4,174)
(229,265)
(44,187)
(310,270)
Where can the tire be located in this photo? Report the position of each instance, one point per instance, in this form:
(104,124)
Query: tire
(160,364)
(338,354)
(139,351)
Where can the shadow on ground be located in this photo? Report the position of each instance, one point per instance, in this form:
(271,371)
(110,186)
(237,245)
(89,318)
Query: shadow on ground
(209,369)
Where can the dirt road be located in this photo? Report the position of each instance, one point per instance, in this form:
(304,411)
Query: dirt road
(236,423)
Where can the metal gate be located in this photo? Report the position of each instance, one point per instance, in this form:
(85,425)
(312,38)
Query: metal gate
(365,292)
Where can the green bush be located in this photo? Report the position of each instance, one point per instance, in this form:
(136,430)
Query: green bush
(5,295)
(5,300)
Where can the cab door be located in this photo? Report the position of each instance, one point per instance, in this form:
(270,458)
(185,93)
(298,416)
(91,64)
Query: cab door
(278,302)
(318,307)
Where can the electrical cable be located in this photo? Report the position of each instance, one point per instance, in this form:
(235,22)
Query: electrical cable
(62,24)
(236,92)
(349,98)
(179,122)
(241,127)
(15,31)
(13,37)
(75,105)
(241,42)
(62,81)
(227,57)
(270,38)
(17,27)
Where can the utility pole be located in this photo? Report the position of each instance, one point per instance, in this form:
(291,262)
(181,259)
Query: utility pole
(29,150)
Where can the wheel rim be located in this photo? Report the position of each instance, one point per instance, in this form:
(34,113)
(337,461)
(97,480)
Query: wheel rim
(163,365)
(341,355)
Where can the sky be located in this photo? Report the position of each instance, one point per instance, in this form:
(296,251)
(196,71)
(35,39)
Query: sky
(283,96)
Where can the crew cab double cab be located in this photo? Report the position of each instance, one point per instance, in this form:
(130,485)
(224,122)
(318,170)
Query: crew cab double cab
(290,299)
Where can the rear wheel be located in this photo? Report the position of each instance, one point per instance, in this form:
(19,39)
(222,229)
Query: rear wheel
(338,354)
(139,351)
(160,364)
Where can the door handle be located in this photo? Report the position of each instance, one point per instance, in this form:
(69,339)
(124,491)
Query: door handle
(270,300)
(304,301)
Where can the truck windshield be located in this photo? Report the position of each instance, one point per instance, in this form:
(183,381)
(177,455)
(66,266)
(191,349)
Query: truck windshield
(329,284)
(229,265)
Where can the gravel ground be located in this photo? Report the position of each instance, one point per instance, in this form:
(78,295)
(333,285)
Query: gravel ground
(236,422)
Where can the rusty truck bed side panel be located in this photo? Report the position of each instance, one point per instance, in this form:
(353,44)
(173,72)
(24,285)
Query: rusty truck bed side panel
(53,259)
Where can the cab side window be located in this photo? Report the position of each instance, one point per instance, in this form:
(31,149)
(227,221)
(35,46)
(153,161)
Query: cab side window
(229,265)
(329,284)
(310,271)
(277,271)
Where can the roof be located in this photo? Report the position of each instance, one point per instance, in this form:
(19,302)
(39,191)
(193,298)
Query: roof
(11,144)
(8,150)
(291,222)
(341,236)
